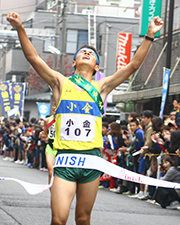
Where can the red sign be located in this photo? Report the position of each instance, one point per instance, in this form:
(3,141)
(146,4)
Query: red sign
(123,50)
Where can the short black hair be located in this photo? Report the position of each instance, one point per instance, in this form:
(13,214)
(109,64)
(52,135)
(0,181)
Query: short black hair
(105,124)
(18,120)
(123,122)
(135,121)
(33,120)
(134,115)
(147,113)
(27,125)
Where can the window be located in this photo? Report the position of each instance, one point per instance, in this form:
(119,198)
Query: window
(82,38)
(114,4)
(99,45)
(75,39)
(71,41)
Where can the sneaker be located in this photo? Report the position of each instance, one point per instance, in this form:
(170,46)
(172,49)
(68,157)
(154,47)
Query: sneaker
(118,189)
(173,205)
(127,193)
(11,159)
(27,164)
(136,195)
(113,189)
(121,189)
(17,161)
(21,162)
(6,158)
(151,201)
(101,187)
(143,197)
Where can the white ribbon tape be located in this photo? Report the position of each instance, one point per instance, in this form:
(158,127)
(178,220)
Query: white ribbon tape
(97,163)
(32,189)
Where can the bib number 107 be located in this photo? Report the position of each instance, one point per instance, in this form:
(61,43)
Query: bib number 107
(77,128)
(77,131)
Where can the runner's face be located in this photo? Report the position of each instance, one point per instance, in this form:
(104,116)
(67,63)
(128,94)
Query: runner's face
(86,56)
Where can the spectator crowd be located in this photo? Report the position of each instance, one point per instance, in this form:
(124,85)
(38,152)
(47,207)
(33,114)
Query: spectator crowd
(147,145)
(144,144)
(23,142)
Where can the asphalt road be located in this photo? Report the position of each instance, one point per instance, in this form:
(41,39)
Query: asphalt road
(18,207)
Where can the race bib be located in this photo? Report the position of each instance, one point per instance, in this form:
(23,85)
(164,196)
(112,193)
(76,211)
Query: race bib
(51,133)
(77,127)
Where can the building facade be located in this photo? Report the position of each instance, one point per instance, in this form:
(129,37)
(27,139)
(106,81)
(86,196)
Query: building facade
(145,91)
(109,18)
(40,27)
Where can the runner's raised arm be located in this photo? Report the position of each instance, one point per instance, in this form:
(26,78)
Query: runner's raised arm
(109,83)
(52,77)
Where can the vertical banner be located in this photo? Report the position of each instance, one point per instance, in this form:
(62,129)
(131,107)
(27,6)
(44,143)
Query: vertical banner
(5,97)
(123,50)
(150,9)
(18,90)
(166,73)
(99,76)
(43,109)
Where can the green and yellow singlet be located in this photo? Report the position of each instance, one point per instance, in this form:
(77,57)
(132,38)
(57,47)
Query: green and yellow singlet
(78,120)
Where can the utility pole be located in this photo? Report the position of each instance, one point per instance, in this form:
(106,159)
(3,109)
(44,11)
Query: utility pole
(169,47)
(57,33)
(55,56)
(4,63)
(165,21)
(106,48)
(63,40)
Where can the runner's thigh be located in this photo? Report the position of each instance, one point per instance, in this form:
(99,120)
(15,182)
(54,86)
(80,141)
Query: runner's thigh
(62,194)
(86,195)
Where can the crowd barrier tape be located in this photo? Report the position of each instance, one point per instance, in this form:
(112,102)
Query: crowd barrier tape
(96,163)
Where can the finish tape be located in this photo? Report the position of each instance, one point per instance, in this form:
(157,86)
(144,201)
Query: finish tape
(96,163)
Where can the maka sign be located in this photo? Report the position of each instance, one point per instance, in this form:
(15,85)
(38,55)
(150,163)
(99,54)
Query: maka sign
(123,50)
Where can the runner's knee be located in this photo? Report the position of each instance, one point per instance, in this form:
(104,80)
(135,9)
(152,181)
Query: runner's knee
(83,220)
(58,221)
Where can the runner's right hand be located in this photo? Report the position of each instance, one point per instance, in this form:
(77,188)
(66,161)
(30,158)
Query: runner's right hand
(14,20)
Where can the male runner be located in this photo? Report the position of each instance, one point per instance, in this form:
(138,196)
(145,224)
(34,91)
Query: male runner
(74,106)
(49,131)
